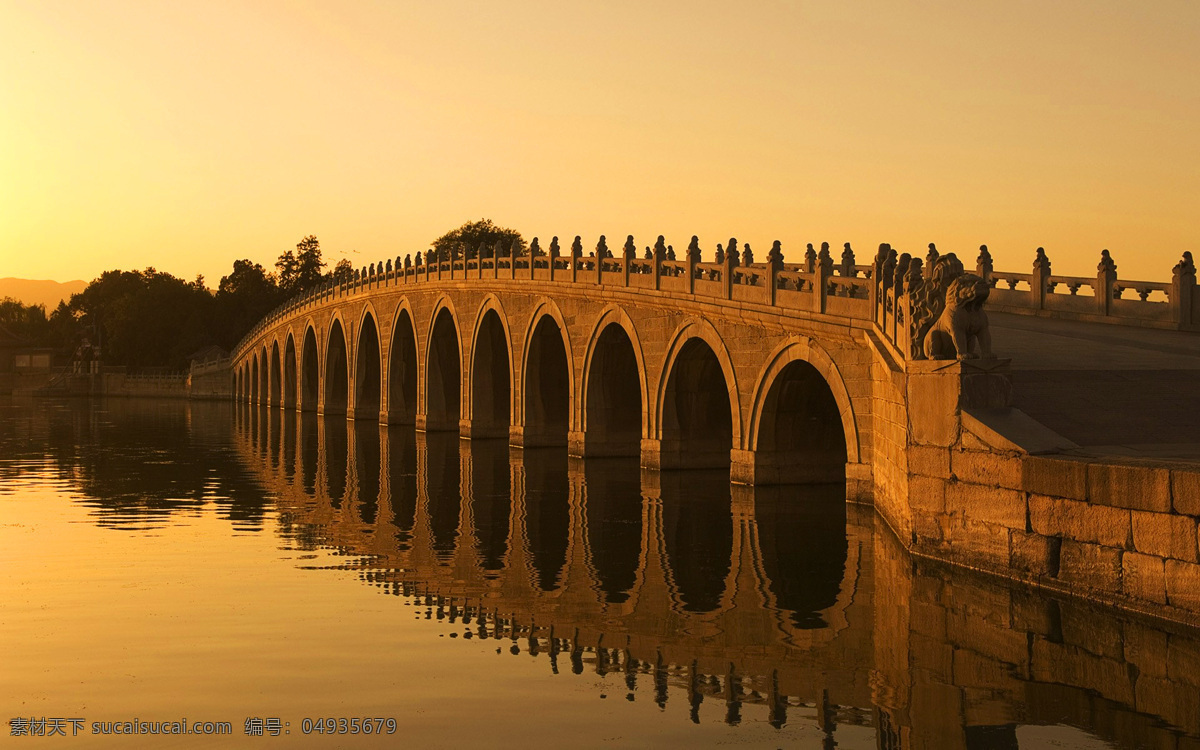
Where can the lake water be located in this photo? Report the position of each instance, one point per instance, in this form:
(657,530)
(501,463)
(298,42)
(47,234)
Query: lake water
(205,564)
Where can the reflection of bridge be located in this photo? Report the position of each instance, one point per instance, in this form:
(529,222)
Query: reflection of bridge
(806,373)
(615,571)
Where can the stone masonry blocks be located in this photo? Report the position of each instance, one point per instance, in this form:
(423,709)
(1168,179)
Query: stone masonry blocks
(1051,476)
(1071,519)
(1144,577)
(1136,487)
(1165,535)
(1090,566)
(987,468)
(986,504)
(1183,585)
(1185,492)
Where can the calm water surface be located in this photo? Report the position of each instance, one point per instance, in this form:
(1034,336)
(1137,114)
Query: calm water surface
(162,561)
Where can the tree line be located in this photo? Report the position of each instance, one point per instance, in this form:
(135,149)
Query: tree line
(149,318)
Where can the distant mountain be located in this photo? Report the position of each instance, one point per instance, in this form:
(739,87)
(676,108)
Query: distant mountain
(40,292)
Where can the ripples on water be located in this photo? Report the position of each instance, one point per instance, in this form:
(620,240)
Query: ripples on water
(164,560)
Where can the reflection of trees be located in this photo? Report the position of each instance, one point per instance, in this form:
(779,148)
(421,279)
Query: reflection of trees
(139,461)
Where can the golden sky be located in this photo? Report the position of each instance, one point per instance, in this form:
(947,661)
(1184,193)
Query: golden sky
(185,135)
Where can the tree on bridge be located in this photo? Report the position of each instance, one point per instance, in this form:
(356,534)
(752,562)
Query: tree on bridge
(301,270)
(474,233)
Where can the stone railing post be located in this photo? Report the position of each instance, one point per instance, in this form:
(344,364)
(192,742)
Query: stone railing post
(727,275)
(983,265)
(1106,277)
(1183,292)
(534,249)
(1039,280)
(576,254)
(629,253)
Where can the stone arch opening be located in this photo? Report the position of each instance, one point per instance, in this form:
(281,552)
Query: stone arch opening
(337,381)
(491,386)
(402,371)
(800,434)
(310,376)
(289,373)
(368,375)
(276,375)
(613,403)
(443,384)
(547,386)
(697,422)
(254,379)
(264,374)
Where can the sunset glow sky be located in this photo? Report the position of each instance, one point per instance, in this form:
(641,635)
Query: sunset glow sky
(186,135)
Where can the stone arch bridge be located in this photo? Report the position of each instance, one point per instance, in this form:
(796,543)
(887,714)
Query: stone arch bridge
(780,373)
(685,364)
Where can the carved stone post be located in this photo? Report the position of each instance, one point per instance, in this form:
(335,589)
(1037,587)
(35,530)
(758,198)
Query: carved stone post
(727,275)
(1106,277)
(774,266)
(601,254)
(1183,293)
(576,254)
(534,249)
(983,265)
(1039,281)
(693,257)
(629,253)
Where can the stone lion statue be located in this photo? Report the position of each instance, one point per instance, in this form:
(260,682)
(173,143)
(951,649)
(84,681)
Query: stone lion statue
(962,322)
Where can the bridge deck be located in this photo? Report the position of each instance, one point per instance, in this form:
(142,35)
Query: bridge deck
(1113,390)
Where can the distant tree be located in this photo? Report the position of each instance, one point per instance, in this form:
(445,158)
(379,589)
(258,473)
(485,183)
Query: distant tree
(452,244)
(301,270)
(343,271)
(243,297)
(27,322)
(146,318)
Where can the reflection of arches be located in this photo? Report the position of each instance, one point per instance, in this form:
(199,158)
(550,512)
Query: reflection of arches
(366,463)
(310,371)
(491,373)
(697,528)
(402,480)
(698,420)
(548,379)
(337,447)
(368,373)
(289,373)
(801,536)
(613,390)
(443,493)
(613,524)
(491,502)
(795,372)
(443,390)
(276,378)
(547,514)
(337,376)
(402,369)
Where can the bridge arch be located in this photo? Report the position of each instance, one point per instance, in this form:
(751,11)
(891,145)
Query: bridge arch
(310,369)
(443,368)
(254,378)
(264,375)
(802,421)
(289,371)
(613,362)
(276,376)
(490,396)
(402,367)
(692,425)
(547,378)
(368,367)
(337,369)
